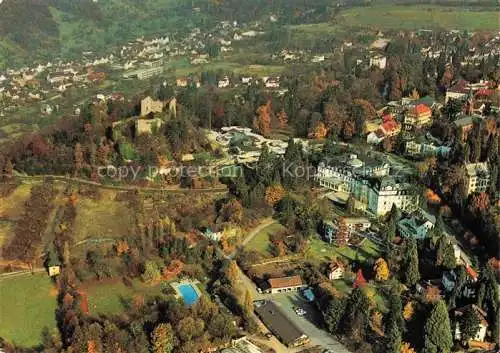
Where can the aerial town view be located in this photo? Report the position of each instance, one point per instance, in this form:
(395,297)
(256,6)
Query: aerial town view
(249,176)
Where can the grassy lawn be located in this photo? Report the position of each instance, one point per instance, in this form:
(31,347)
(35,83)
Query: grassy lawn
(103,218)
(420,17)
(344,286)
(260,242)
(112,297)
(12,206)
(27,306)
(321,250)
(6,232)
(11,209)
(312,31)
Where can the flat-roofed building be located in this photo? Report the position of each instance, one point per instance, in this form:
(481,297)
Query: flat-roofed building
(280,325)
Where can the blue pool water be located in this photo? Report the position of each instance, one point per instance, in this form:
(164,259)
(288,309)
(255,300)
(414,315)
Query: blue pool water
(188,293)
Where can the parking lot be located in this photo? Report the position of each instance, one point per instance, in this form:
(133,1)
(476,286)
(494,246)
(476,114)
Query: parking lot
(310,323)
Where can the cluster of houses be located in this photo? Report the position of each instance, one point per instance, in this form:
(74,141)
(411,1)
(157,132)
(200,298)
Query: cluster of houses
(43,84)
(409,115)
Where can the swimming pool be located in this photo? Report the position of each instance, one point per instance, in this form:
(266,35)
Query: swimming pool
(189,294)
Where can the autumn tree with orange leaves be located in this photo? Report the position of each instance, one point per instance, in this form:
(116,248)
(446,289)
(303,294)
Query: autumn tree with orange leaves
(406,348)
(283,119)
(262,120)
(334,116)
(319,130)
(274,194)
(480,202)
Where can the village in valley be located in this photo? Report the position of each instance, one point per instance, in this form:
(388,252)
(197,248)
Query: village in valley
(317,179)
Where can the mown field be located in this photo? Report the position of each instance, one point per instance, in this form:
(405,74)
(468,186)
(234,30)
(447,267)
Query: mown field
(260,242)
(11,209)
(113,296)
(27,307)
(414,17)
(321,250)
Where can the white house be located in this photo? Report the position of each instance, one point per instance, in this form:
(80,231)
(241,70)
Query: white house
(378,61)
(318,58)
(224,83)
(272,82)
(336,271)
(246,80)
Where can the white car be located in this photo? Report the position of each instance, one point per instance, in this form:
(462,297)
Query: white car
(300,311)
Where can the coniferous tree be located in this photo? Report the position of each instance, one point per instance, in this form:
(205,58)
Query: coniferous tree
(334,313)
(437,330)
(412,274)
(394,338)
(357,314)
(469,324)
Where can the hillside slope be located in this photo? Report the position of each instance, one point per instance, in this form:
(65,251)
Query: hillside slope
(45,29)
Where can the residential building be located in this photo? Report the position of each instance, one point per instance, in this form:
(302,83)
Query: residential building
(390,127)
(272,82)
(224,83)
(449,280)
(149,105)
(380,44)
(417,116)
(318,58)
(246,80)
(181,82)
(54,270)
(456,92)
(465,124)
(417,148)
(387,191)
(429,101)
(477,178)
(375,137)
(378,61)
(483,323)
(416,225)
(284,284)
(280,325)
(352,224)
(213,236)
(336,270)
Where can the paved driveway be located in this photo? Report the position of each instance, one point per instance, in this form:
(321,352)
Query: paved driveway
(311,323)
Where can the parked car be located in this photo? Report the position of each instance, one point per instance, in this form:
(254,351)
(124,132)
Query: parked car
(300,311)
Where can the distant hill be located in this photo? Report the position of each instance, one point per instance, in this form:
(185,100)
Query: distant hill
(47,29)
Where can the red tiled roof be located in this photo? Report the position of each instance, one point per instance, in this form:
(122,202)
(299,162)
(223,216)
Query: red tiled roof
(335,265)
(484,92)
(471,272)
(388,117)
(390,126)
(421,109)
(283,282)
